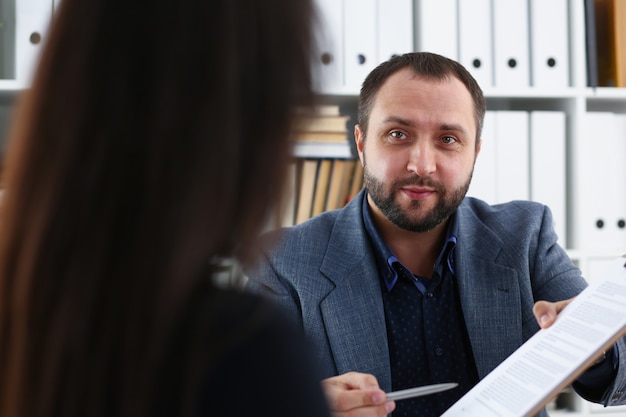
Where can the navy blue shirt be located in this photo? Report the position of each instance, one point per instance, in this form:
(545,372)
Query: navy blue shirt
(426,331)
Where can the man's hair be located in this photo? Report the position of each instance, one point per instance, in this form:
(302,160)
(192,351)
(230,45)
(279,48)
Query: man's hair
(427,65)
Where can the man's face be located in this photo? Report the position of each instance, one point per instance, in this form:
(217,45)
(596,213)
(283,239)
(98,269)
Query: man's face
(419,150)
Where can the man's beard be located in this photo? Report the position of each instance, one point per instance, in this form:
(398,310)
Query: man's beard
(385,201)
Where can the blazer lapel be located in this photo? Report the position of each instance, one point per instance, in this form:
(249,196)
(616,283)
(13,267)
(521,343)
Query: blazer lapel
(353,312)
(489,292)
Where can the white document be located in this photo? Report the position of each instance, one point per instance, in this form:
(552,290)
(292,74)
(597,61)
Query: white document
(547,166)
(511,44)
(360,34)
(436,27)
(512,156)
(328,58)
(483,183)
(32,19)
(475,40)
(395,28)
(553,358)
(548,43)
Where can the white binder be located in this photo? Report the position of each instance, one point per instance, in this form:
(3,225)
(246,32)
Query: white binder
(616,179)
(32,18)
(548,43)
(360,42)
(595,195)
(436,27)
(510,35)
(512,156)
(548,170)
(483,183)
(475,40)
(395,28)
(328,57)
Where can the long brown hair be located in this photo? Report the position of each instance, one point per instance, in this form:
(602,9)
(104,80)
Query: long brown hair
(154,138)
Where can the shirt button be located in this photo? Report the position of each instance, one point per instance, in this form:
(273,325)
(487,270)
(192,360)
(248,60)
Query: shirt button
(438,350)
(430,295)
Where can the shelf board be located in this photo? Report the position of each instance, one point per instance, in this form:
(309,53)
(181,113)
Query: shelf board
(605,93)
(10,86)
(531,93)
(323,150)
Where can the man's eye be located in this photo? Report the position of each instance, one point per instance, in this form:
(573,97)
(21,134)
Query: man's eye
(448,139)
(397,134)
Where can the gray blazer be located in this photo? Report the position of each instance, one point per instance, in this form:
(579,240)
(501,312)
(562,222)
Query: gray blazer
(324,273)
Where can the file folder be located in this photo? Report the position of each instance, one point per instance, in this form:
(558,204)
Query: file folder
(395,28)
(360,42)
(548,168)
(437,27)
(476,40)
(512,156)
(595,194)
(328,59)
(548,43)
(7,40)
(511,44)
(32,18)
(591,47)
(615,153)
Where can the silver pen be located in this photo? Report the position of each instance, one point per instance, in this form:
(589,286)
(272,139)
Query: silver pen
(419,391)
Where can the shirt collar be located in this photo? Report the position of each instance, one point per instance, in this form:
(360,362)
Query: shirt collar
(385,257)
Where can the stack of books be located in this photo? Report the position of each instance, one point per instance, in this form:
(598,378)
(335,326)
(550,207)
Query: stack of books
(324,174)
(323,124)
(322,132)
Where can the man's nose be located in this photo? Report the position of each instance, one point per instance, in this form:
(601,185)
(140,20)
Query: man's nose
(422,160)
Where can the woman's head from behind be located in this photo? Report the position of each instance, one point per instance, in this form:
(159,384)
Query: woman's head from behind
(154,137)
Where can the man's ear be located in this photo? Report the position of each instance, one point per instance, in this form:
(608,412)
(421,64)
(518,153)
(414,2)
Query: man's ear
(359,139)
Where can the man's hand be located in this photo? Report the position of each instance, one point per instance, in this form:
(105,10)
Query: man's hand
(356,395)
(546,312)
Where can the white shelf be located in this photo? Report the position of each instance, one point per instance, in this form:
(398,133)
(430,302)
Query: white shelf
(323,150)
(11,86)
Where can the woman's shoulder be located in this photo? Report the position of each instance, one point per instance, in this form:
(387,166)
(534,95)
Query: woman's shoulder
(264,358)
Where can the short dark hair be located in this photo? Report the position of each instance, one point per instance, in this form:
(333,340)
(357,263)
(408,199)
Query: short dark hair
(425,64)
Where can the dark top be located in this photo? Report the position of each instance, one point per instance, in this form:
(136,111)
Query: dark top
(250,361)
(426,330)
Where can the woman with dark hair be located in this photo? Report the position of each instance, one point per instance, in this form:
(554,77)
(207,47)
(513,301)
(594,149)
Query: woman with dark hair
(153,142)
